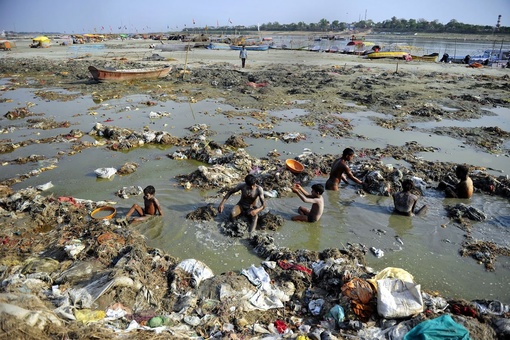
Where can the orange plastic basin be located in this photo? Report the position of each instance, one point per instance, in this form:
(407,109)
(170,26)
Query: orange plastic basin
(294,166)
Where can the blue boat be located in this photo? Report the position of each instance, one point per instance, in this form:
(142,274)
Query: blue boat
(489,57)
(263,47)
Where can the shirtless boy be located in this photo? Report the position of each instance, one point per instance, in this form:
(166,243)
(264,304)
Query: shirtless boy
(315,198)
(463,189)
(151,205)
(340,170)
(405,201)
(247,205)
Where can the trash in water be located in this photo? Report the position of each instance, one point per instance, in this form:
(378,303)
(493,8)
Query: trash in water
(45,186)
(377,252)
(105,172)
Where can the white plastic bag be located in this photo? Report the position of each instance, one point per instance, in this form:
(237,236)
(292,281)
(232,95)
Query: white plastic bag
(398,299)
(197,269)
(105,172)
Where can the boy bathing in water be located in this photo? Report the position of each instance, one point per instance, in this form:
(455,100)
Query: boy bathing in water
(315,198)
(151,205)
(463,189)
(340,170)
(247,205)
(405,201)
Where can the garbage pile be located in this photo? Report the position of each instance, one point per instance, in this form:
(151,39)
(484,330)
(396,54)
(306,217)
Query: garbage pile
(64,273)
(85,277)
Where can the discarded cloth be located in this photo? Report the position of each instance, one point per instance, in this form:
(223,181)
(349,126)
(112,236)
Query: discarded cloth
(361,293)
(443,327)
(295,266)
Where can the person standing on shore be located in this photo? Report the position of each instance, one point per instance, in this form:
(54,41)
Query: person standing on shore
(340,170)
(315,198)
(243,54)
(247,205)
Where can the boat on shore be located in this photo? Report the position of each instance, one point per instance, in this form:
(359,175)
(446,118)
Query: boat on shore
(131,74)
(315,48)
(430,58)
(358,47)
(489,57)
(388,54)
(333,49)
(262,47)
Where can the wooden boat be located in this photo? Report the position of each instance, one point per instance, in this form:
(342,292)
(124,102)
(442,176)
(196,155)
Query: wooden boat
(358,47)
(262,47)
(333,49)
(315,48)
(489,57)
(394,54)
(132,74)
(430,58)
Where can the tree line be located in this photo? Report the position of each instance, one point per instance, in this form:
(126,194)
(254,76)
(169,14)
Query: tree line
(392,25)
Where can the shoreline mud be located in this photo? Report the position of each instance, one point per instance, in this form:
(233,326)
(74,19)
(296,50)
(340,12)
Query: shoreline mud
(70,276)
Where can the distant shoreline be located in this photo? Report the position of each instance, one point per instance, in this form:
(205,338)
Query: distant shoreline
(343,34)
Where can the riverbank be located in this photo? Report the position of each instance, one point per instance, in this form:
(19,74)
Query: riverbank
(58,257)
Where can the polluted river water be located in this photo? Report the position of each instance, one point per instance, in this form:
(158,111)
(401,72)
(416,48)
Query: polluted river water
(426,246)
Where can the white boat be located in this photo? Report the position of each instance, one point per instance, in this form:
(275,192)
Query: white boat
(489,57)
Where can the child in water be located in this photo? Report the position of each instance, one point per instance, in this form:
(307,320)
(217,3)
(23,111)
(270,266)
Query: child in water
(315,198)
(405,201)
(151,205)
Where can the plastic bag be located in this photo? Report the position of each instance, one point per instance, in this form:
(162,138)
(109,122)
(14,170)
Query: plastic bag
(197,269)
(394,273)
(337,312)
(398,299)
(442,327)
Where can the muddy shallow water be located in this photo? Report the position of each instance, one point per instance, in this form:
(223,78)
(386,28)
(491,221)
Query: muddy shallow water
(430,249)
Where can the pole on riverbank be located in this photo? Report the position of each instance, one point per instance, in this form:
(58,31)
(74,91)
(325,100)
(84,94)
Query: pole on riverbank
(186,60)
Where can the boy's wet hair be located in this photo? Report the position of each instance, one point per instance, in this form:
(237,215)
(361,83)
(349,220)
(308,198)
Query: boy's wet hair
(318,188)
(407,185)
(462,171)
(348,152)
(250,180)
(149,190)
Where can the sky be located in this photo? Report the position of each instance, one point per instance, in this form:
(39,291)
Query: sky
(105,16)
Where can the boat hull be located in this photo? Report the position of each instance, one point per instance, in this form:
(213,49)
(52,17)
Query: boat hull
(133,74)
(426,58)
(380,55)
(250,48)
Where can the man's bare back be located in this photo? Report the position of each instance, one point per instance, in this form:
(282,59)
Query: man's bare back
(340,171)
